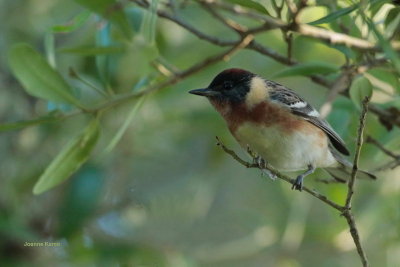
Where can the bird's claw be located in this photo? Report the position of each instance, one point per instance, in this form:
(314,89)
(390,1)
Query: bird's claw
(298,183)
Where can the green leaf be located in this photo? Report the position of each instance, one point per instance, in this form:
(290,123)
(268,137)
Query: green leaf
(385,44)
(307,69)
(376,6)
(22,124)
(72,25)
(392,14)
(352,28)
(93,50)
(148,27)
(250,4)
(337,14)
(112,11)
(347,51)
(37,77)
(139,51)
(117,137)
(386,77)
(71,157)
(359,89)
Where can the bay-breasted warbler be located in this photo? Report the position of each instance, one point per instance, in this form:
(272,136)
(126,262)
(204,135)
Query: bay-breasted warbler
(278,125)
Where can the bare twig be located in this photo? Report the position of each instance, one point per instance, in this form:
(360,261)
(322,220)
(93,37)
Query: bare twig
(372,140)
(350,192)
(387,166)
(279,175)
(225,55)
(307,30)
(227,22)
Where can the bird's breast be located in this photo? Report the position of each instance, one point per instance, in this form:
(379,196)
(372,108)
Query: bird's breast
(286,141)
(286,150)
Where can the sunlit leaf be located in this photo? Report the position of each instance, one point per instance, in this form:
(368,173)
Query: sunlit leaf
(385,44)
(306,69)
(251,5)
(386,77)
(112,11)
(71,157)
(335,15)
(376,6)
(392,15)
(348,24)
(360,88)
(49,45)
(72,25)
(37,77)
(93,50)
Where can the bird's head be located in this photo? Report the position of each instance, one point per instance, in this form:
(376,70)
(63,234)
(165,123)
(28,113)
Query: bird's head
(231,86)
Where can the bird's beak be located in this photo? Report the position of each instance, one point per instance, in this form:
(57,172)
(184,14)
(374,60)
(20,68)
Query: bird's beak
(204,92)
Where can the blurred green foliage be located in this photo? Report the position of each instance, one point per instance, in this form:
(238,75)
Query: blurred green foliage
(156,191)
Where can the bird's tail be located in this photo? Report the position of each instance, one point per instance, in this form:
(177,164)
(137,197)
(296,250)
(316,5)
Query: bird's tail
(343,171)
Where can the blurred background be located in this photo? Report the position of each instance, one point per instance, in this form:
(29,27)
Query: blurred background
(166,195)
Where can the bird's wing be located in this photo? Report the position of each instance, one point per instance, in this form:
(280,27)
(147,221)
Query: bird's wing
(298,106)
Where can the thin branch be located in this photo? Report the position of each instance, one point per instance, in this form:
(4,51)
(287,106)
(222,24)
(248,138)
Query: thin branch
(227,22)
(225,55)
(307,30)
(183,24)
(347,208)
(358,151)
(388,166)
(372,140)
(279,175)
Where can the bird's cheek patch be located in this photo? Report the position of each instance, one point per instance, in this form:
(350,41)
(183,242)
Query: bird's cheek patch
(258,92)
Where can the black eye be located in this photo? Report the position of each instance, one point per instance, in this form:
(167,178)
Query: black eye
(228,85)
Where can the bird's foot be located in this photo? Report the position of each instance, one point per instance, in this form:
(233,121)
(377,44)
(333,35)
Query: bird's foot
(298,183)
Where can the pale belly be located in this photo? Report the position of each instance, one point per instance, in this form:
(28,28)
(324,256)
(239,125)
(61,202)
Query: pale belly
(286,152)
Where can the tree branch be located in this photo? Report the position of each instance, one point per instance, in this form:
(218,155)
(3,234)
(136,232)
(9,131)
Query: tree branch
(225,55)
(279,175)
(350,192)
(305,29)
(372,140)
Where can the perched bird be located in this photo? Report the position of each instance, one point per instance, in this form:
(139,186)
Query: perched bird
(278,125)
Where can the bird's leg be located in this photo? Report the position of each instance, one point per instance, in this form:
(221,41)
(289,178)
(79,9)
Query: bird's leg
(298,183)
